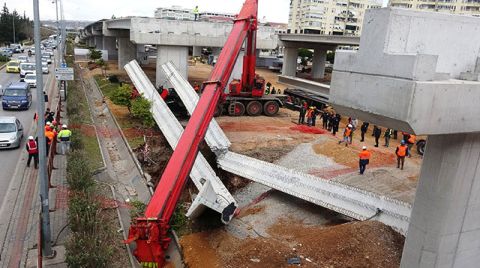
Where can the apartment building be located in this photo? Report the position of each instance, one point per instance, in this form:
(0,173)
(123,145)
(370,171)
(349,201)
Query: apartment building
(181,13)
(330,17)
(460,7)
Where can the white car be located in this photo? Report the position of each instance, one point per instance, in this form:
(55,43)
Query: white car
(45,69)
(31,80)
(26,68)
(23,59)
(47,59)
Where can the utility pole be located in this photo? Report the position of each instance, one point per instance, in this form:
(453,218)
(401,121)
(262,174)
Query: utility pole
(42,172)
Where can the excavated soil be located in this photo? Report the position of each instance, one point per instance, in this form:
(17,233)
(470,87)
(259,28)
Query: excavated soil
(356,244)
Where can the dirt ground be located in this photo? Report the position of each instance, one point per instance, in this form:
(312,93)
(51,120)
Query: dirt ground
(356,244)
(319,243)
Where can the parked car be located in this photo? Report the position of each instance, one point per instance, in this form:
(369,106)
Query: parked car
(45,69)
(13,66)
(26,68)
(11,132)
(17,96)
(47,59)
(6,52)
(30,79)
(23,59)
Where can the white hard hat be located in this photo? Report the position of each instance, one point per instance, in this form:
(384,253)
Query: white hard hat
(350,125)
(64,126)
(30,137)
(48,123)
(364,147)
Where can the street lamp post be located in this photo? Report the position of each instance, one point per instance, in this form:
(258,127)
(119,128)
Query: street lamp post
(42,145)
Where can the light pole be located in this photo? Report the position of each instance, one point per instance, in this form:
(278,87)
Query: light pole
(42,145)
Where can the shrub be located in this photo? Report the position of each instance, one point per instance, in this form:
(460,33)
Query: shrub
(79,175)
(122,95)
(141,110)
(113,79)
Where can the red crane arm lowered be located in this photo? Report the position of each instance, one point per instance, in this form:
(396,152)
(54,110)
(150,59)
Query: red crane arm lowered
(150,233)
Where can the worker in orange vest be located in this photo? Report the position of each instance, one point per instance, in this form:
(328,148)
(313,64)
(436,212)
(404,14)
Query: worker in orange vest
(50,135)
(364,156)
(32,149)
(411,141)
(347,135)
(401,152)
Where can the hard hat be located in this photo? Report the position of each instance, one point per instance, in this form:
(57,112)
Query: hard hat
(350,125)
(64,126)
(48,123)
(30,138)
(364,147)
(402,142)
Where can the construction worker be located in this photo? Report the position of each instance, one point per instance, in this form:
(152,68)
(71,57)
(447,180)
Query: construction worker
(347,135)
(196,13)
(387,136)
(411,141)
(363,130)
(364,156)
(309,115)
(49,116)
(64,138)
(401,152)
(32,149)
(314,115)
(196,87)
(377,132)
(301,116)
(50,135)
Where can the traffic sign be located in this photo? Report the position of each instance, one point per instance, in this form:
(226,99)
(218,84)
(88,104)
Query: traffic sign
(67,77)
(64,70)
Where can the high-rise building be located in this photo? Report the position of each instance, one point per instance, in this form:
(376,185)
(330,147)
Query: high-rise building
(180,13)
(331,17)
(460,7)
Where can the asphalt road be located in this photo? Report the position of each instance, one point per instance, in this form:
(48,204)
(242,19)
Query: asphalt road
(10,157)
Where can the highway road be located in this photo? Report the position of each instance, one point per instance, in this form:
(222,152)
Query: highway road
(10,157)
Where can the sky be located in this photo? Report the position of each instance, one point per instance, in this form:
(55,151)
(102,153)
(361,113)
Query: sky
(92,10)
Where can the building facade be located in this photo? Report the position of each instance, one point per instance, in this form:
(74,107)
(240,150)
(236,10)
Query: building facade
(330,17)
(180,13)
(460,7)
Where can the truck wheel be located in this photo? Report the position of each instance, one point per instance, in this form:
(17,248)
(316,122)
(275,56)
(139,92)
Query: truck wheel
(270,108)
(421,146)
(236,109)
(254,108)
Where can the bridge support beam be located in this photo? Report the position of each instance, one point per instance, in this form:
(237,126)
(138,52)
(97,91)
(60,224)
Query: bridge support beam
(290,61)
(110,44)
(127,51)
(318,64)
(197,51)
(178,55)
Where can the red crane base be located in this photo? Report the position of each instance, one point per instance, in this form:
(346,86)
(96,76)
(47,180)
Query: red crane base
(151,238)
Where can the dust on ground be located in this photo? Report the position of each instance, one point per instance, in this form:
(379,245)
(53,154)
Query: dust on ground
(356,244)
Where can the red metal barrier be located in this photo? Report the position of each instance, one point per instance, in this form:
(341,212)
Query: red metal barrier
(53,146)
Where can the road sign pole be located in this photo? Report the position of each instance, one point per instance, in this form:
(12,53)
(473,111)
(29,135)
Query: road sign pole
(42,145)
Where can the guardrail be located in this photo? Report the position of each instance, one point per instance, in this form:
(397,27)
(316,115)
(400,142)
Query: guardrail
(53,145)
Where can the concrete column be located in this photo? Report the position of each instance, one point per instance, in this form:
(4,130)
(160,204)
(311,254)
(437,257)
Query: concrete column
(126,52)
(178,55)
(142,55)
(197,51)
(290,61)
(98,42)
(90,42)
(444,228)
(238,68)
(318,64)
(110,44)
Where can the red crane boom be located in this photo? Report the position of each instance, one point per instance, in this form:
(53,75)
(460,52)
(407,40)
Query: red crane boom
(150,232)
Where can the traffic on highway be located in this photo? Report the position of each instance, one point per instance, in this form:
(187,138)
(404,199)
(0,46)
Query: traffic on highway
(19,104)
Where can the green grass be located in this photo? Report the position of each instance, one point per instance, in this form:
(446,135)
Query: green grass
(105,86)
(92,149)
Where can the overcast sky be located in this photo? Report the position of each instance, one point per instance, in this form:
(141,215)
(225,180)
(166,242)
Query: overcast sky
(272,10)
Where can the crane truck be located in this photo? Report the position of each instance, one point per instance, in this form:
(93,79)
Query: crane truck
(150,232)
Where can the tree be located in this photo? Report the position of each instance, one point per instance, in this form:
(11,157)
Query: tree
(331,56)
(94,54)
(305,55)
(122,96)
(103,66)
(141,110)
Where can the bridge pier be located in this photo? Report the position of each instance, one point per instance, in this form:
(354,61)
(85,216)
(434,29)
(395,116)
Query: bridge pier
(197,51)
(127,51)
(178,55)
(110,44)
(290,62)
(318,64)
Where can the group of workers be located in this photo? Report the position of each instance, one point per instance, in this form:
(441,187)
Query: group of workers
(51,133)
(330,120)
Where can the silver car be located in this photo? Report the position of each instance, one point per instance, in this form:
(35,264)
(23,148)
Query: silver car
(11,132)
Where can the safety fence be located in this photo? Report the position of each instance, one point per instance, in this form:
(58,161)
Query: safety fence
(53,145)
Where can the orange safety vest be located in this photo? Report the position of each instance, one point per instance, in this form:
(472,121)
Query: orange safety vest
(365,154)
(50,135)
(402,150)
(32,147)
(347,132)
(412,139)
